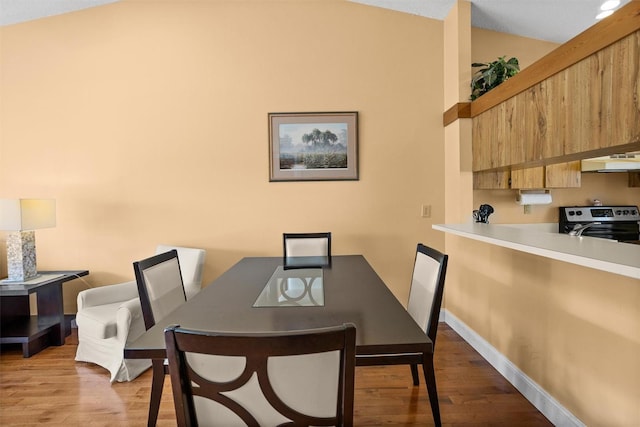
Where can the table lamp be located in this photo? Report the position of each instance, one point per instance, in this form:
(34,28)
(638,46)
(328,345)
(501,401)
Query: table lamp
(20,217)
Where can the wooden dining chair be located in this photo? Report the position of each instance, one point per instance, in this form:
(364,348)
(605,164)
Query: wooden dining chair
(296,378)
(307,244)
(161,291)
(425,300)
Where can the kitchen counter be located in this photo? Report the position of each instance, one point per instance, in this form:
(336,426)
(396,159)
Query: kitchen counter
(544,240)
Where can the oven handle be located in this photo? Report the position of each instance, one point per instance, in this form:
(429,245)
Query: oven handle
(578,229)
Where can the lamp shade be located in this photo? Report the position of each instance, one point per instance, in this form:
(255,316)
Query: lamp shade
(27,214)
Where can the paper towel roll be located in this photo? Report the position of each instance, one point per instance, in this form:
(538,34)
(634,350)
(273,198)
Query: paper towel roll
(534,198)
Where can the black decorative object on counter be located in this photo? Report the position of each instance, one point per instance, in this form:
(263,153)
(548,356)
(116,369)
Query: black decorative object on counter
(482,214)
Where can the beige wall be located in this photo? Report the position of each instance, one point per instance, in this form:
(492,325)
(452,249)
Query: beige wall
(457,136)
(575,331)
(147,121)
(487,46)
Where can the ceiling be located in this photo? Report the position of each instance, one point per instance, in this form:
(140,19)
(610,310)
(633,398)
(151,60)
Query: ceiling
(551,20)
(16,11)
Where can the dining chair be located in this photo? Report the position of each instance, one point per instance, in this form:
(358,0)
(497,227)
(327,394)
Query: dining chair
(295,378)
(307,244)
(161,291)
(109,316)
(425,300)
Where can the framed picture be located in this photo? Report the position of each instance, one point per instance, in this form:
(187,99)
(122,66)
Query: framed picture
(313,146)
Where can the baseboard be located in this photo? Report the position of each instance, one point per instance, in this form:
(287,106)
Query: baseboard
(543,401)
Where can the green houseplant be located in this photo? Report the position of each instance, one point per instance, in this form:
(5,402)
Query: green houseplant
(493,74)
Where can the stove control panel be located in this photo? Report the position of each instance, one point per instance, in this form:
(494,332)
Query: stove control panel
(599,213)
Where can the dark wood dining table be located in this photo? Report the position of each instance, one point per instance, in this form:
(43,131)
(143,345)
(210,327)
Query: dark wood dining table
(353,293)
(273,294)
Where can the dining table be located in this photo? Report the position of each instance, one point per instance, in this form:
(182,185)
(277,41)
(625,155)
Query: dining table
(274,294)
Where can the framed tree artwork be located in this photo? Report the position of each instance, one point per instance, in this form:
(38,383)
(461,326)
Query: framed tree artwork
(313,146)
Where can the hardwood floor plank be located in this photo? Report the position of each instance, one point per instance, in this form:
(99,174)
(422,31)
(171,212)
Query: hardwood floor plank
(50,388)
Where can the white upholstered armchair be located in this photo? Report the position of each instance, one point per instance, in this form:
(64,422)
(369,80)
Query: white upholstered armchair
(110,315)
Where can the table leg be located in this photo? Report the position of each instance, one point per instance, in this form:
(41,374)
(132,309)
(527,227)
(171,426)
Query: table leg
(51,308)
(34,346)
(430,379)
(157,382)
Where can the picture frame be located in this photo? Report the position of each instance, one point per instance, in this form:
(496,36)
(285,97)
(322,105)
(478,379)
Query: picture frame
(313,146)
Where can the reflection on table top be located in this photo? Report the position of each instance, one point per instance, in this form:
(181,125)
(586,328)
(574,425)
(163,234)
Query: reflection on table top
(292,287)
(353,293)
(306,262)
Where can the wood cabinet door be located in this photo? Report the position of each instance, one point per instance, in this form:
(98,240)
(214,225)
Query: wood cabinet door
(491,180)
(529,178)
(563,175)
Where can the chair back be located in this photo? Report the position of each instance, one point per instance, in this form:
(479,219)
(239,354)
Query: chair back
(307,244)
(159,285)
(427,287)
(246,379)
(191,266)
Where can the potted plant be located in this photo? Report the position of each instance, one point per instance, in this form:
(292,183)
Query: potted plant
(493,74)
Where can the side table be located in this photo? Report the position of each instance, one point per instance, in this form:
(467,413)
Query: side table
(35,333)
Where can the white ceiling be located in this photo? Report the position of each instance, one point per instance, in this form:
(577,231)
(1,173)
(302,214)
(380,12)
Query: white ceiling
(16,11)
(552,20)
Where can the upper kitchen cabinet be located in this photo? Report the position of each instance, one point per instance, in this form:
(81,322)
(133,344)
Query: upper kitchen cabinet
(581,100)
(559,175)
(602,98)
(494,149)
(492,180)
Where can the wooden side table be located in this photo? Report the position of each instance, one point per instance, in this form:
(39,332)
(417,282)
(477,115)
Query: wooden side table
(35,333)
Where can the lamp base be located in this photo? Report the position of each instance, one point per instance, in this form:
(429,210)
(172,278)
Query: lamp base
(21,256)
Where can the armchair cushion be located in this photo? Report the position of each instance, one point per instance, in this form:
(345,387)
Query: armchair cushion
(99,321)
(129,320)
(107,294)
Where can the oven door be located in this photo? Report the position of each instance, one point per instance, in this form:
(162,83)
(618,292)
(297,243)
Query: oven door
(613,231)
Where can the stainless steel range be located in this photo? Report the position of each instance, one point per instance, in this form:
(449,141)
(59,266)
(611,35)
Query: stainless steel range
(620,223)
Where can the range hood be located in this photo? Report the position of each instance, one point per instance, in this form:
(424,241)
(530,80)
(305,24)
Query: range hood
(614,163)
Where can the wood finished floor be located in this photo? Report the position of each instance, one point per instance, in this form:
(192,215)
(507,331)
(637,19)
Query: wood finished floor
(50,388)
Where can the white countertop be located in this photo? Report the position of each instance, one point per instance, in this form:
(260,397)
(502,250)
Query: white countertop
(544,240)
